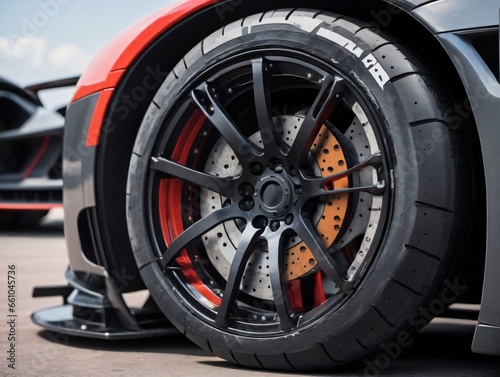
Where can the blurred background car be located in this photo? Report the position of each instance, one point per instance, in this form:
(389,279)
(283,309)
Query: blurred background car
(33,50)
(30,153)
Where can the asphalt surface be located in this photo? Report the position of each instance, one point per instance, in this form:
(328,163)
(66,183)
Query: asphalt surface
(443,349)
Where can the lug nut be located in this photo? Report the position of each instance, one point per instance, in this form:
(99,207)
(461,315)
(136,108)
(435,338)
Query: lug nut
(245,189)
(275,164)
(260,222)
(256,168)
(275,225)
(246,204)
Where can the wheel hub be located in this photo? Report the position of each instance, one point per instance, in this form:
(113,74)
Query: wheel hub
(274,195)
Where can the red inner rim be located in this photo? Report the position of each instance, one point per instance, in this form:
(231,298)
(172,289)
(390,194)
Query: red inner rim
(170,198)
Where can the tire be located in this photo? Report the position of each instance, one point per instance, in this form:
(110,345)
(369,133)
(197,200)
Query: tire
(21,219)
(405,249)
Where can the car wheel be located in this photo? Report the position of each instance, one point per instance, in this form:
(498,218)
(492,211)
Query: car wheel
(295,195)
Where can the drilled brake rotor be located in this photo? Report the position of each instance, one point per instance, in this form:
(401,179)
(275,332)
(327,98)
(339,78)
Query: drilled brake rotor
(326,158)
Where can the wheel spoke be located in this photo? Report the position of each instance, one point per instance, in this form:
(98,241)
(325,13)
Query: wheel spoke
(376,190)
(206,99)
(223,186)
(324,104)
(374,161)
(315,187)
(278,285)
(263,106)
(199,228)
(325,261)
(245,249)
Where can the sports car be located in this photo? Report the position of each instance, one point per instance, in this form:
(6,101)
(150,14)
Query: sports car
(30,153)
(297,185)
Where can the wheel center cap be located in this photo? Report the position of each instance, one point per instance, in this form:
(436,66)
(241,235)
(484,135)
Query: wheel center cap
(274,195)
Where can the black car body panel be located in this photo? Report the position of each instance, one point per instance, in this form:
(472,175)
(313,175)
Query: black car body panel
(457,24)
(454,15)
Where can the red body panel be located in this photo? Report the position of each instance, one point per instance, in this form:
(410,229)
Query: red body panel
(122,50)
(97,121)
(107,68)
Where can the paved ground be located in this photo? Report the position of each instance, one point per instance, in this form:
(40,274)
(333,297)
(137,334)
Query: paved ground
(442,350)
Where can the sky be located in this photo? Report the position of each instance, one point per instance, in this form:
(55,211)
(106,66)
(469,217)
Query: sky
(43,40)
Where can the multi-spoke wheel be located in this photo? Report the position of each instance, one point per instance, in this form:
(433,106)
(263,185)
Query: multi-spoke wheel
(277,203)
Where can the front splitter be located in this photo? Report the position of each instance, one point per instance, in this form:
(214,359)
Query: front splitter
(60,319)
